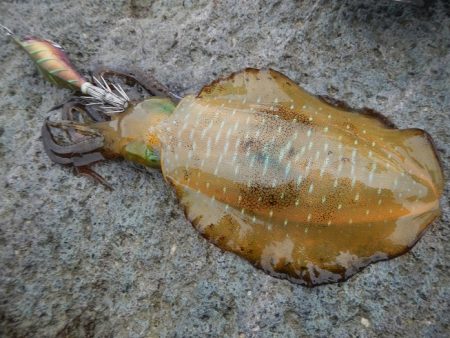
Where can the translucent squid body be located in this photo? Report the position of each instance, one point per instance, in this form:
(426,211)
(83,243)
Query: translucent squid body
(302,187)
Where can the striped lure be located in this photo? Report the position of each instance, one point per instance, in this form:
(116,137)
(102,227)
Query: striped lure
(54,65)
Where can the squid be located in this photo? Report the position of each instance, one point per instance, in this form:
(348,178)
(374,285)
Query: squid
(301,186)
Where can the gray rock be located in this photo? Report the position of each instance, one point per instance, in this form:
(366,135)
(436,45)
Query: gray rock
(78,260)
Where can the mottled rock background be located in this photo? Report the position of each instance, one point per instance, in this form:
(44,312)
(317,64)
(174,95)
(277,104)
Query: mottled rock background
(78,260)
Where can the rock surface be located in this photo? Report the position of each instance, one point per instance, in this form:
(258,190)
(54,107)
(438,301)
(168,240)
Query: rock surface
(78,260)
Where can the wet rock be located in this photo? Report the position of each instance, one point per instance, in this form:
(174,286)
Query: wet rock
(78,260)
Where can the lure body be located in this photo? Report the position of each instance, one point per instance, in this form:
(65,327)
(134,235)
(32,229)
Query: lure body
(300,188)
(52,62)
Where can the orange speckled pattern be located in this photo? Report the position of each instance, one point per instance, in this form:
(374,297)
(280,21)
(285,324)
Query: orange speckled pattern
(300,188)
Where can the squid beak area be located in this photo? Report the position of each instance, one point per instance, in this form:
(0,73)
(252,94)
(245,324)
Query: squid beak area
(83,147)
(86,149)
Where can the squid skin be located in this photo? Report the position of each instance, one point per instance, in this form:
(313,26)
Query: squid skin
(304,188)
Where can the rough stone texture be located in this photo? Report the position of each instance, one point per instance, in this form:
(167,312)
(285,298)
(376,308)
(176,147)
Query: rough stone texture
(78,260)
